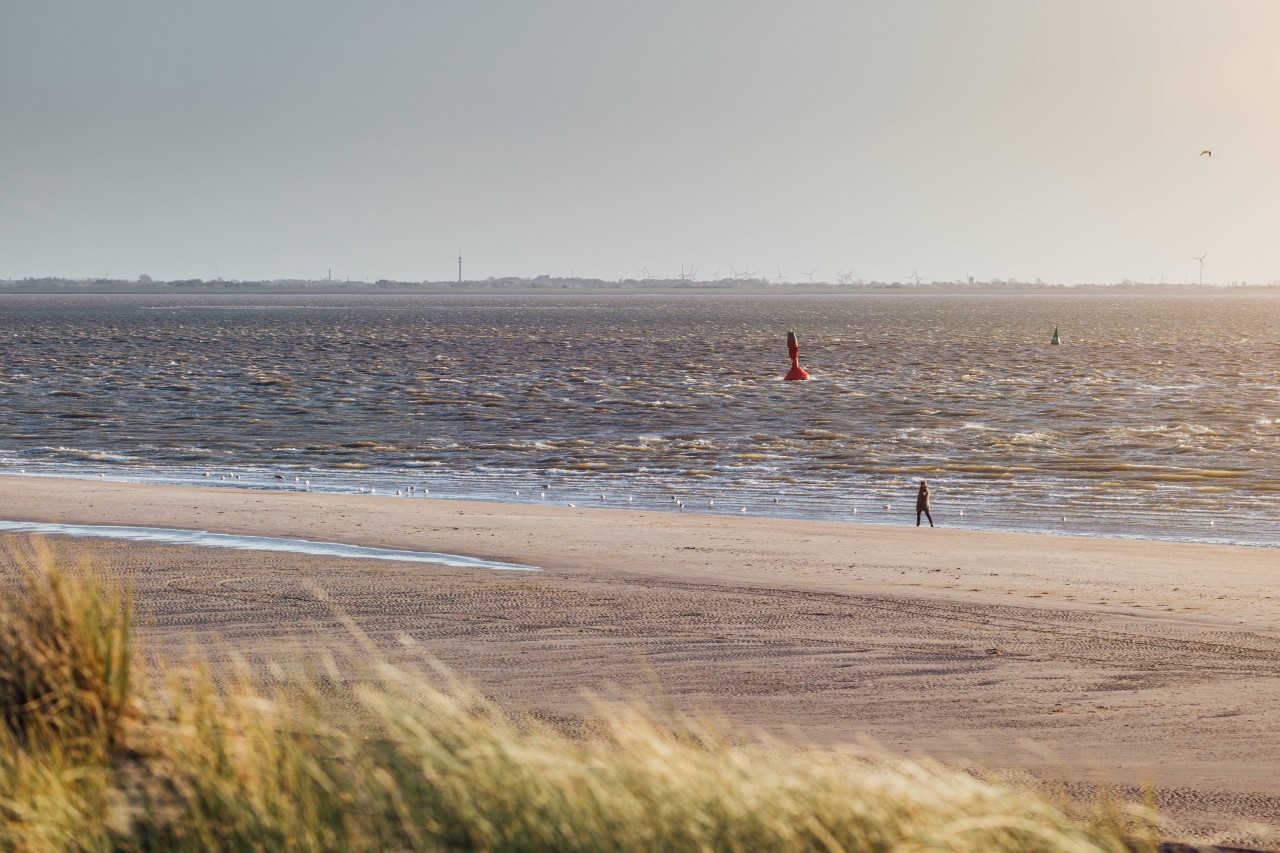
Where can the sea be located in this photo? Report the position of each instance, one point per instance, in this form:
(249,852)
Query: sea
(1156,418)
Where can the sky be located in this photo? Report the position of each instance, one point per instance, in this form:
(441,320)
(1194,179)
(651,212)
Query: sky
(1050,139)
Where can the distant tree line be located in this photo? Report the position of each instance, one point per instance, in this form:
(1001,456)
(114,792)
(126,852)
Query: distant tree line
(146,283)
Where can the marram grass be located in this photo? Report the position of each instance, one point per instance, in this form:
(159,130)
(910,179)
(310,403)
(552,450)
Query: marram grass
(407,761)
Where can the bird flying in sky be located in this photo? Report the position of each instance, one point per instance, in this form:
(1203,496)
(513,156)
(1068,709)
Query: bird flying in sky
(1206,153)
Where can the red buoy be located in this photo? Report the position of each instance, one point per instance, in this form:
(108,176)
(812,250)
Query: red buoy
(793,349)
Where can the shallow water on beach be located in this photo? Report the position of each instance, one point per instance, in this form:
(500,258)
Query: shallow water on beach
(205,539)
(1156,418)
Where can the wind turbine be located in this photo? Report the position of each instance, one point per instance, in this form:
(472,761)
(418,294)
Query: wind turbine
(644,271)
(845,277)
(913,278)
(810,274)
(687,276)
(1201,261)
(781,278)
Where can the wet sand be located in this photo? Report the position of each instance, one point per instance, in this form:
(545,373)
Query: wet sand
(1096,660)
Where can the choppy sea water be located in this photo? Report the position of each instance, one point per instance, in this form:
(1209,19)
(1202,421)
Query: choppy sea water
(1158,417)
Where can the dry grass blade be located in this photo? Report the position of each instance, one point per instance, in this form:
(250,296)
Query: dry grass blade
(64,653)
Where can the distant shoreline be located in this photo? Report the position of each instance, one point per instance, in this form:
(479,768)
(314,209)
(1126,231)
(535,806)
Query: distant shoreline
(607,288)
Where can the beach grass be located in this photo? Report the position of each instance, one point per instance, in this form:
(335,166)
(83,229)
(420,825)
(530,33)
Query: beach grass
(93,759)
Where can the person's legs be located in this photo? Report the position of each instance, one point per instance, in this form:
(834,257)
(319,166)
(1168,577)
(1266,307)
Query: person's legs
(918,518)
(927,515)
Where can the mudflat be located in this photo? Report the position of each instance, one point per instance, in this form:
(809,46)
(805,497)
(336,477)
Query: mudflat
(1091,660)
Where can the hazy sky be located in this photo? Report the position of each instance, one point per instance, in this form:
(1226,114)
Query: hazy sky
(992,138)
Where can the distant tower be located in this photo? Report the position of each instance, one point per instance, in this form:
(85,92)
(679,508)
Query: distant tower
(459,267)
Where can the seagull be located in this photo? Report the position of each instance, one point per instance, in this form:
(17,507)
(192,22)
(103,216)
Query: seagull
(630,498)
(854,511)
(602,497)
(1206,153)
(517,493)
(744,509)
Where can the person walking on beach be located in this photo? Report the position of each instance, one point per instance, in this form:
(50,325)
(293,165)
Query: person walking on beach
(922,503)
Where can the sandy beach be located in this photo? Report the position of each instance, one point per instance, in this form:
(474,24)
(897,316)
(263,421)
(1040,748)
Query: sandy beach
(1095,660)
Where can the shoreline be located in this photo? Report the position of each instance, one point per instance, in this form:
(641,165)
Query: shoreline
(413,523)
(1044,568)
(799,509)
(1122,661)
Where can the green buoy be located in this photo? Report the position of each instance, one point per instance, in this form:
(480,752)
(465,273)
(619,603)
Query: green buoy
(1054,340)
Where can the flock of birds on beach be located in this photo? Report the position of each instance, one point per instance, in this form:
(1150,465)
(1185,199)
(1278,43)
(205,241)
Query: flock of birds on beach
(423,491)
(411,491)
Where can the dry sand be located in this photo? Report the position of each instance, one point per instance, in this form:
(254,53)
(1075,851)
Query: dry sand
(1096,660)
